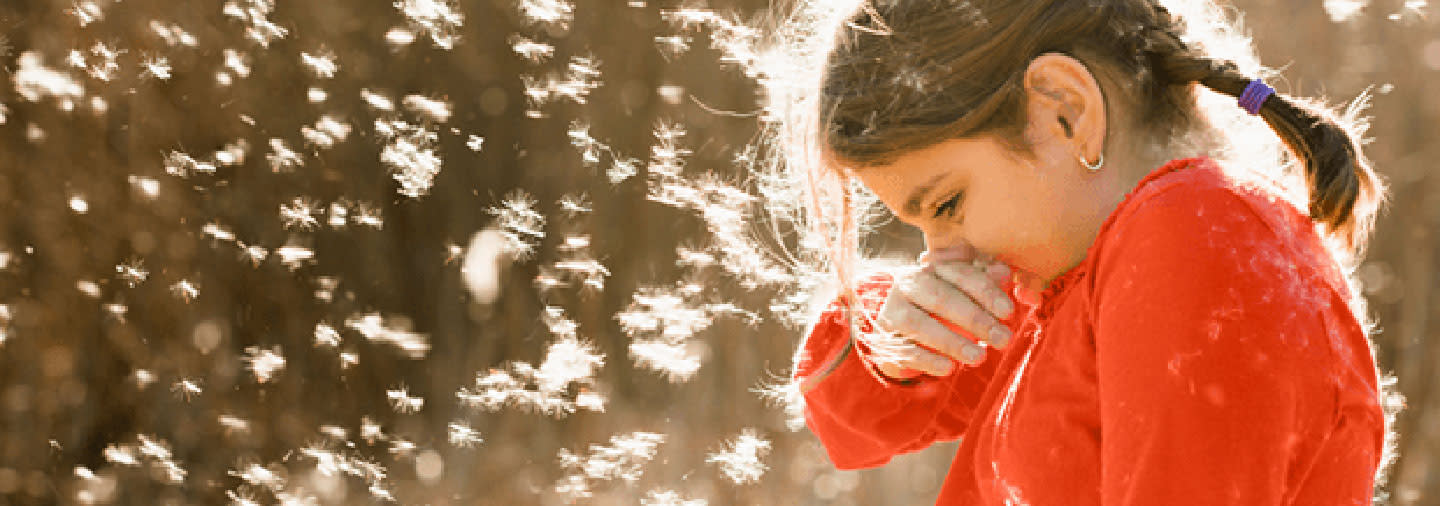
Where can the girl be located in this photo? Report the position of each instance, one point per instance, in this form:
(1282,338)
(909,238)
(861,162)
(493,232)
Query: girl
(1181,333)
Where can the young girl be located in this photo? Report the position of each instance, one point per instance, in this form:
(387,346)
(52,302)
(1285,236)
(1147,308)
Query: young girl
(1182,333)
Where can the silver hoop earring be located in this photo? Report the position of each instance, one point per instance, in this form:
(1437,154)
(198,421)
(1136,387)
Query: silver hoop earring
(1099,164)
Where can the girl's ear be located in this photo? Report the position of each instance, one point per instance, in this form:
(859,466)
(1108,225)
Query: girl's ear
(1064,101)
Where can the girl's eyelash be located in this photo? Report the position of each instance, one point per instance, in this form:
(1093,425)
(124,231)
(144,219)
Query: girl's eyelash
(949,206)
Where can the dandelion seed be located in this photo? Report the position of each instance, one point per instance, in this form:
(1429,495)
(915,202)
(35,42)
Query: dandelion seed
(662,497)
(338,215)
(186,388)
(462,436)
(143,378)
(107,66)
(321,65)
(672,360)
(740,460)
(121,455)
(233,424)
(410,155)
(390,331)
(401,448)
(172,34)
(89,288)
(335,432)
(672,46)
(366,214)
(34,81)
(579,134)
(688,257)
(171,472)
(242,497)
(257,475)
(86,13)
(79,205)
(264,364)
(532,51)
(282,158)
(573,488)
(546,281)
(299,213)
(326,133)
(568,360)
(403,402)
(291,255)
(428,108)
(186,290)
(255,14)
(349,359)
(574,204)
(148,187)
(370,430)
(582,75)
(297,497)
(377,101)
(183,165)
(519,223)
(380,492)
(132,272)
(157,67)
(622,169)
(590,401)
(623,459)
(440,19)
(233,153)
(34,133)
(590,272)
(326,336)
(1344,10)
(316,95)
(237,62)
(399,37)
(475,143)
(116,311)
(553,13)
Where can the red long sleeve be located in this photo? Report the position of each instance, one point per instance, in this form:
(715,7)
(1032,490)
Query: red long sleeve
(863,419)
(1212,360)
(1203,352)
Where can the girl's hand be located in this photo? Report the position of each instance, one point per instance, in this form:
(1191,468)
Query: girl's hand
(953,285)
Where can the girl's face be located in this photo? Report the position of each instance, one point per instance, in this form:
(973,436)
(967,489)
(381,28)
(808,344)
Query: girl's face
(1036,214)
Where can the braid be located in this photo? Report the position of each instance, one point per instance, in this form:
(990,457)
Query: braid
(1344,190)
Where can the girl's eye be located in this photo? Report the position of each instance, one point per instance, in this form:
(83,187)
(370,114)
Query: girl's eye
(949,206)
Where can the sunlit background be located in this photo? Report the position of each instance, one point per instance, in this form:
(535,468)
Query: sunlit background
(488,251)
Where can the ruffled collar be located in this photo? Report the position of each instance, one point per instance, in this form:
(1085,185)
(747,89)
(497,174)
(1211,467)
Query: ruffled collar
(1058,286)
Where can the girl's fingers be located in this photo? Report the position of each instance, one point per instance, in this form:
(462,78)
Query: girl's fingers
(894,370)
(917,359)
(913,322)
(939,298)
(979,286)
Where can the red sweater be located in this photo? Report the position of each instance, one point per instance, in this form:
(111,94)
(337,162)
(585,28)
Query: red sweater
(1202,353)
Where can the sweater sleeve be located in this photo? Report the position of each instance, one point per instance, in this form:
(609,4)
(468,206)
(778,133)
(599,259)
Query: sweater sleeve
(1210,353)
(864,419)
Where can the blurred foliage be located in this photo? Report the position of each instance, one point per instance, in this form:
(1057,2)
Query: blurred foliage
(96,360)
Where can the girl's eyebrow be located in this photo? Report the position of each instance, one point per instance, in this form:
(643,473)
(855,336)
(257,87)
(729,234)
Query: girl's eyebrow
(917,198)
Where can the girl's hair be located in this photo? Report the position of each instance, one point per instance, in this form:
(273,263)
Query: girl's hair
(901,75)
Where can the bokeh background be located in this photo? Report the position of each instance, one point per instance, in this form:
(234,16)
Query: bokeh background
(274,318)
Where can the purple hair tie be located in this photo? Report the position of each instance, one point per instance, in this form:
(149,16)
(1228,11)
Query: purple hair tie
(1254,96)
